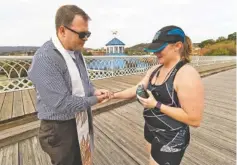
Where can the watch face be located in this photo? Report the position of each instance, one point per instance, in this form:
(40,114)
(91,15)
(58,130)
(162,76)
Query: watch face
(158,104)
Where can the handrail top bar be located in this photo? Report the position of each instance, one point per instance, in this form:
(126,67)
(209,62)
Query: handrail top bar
(137,56)
(16,57)
(89,57)
(101,57)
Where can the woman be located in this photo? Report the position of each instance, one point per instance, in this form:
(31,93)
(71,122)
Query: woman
(176,97)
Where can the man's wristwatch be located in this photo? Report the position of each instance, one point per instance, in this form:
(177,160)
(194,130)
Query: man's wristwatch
(158,105)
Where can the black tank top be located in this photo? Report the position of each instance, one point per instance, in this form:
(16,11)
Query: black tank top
(163,127)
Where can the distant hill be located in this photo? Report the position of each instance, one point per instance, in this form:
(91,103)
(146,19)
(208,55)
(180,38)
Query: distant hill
(221,46)
(139,46)
(136,49)
(5,50)
(10,49)
(139,49)
(210,47)
(144,45)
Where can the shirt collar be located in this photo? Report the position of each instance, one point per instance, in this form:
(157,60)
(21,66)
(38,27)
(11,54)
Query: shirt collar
(72,54)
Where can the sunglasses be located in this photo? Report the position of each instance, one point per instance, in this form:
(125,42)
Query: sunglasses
(81,35)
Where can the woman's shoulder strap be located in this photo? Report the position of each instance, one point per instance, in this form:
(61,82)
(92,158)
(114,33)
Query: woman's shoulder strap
(177,67)
(154,72)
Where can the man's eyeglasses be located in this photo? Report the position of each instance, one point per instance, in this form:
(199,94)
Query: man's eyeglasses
(81,35)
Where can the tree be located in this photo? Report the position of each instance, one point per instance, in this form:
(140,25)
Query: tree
(126,51)
(86,53)
(221,39)
(206,42)
(232,36)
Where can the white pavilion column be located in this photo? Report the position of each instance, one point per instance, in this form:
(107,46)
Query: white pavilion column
(111,50)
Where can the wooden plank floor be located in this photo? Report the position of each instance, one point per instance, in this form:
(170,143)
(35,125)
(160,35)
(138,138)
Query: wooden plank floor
(15,104)
(20,103)
(119,133)
(214,142)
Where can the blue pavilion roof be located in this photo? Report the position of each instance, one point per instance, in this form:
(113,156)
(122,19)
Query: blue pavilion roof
(115,41)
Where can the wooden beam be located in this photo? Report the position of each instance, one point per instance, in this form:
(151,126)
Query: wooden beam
(18,133)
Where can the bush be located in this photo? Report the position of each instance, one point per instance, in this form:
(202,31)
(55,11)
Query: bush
(206,42)
(226,47)
(219,51)
(232,36)
(221,39)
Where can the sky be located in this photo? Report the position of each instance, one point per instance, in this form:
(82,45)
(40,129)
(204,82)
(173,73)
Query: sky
(31,22)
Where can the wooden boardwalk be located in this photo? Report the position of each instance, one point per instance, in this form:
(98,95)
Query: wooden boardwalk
(15,104)
(119,132)
(21,103)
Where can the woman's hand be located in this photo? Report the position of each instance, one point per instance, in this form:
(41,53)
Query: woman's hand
(150,102)
(99,92)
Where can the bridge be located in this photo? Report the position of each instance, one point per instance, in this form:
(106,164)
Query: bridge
(119,123)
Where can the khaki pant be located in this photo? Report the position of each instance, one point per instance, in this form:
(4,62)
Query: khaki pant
(59,140)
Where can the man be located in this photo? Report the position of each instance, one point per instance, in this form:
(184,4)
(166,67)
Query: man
(58,99)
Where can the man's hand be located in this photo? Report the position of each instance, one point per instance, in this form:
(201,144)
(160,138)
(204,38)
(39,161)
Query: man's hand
(105,92)
(102,98)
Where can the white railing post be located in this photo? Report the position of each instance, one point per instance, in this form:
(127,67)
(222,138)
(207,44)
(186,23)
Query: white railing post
(112,60)
(198,61)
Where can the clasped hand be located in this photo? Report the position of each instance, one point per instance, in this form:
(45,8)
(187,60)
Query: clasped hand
(103,95)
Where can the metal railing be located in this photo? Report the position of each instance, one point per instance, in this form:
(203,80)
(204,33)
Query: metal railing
(13,69)
(208,60)
(100,67)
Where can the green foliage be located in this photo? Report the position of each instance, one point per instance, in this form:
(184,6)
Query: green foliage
(136,49)
(232,36)
(221,39)
(222,46)
(219,51)
(206,42)
(86,53)
(226,47)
